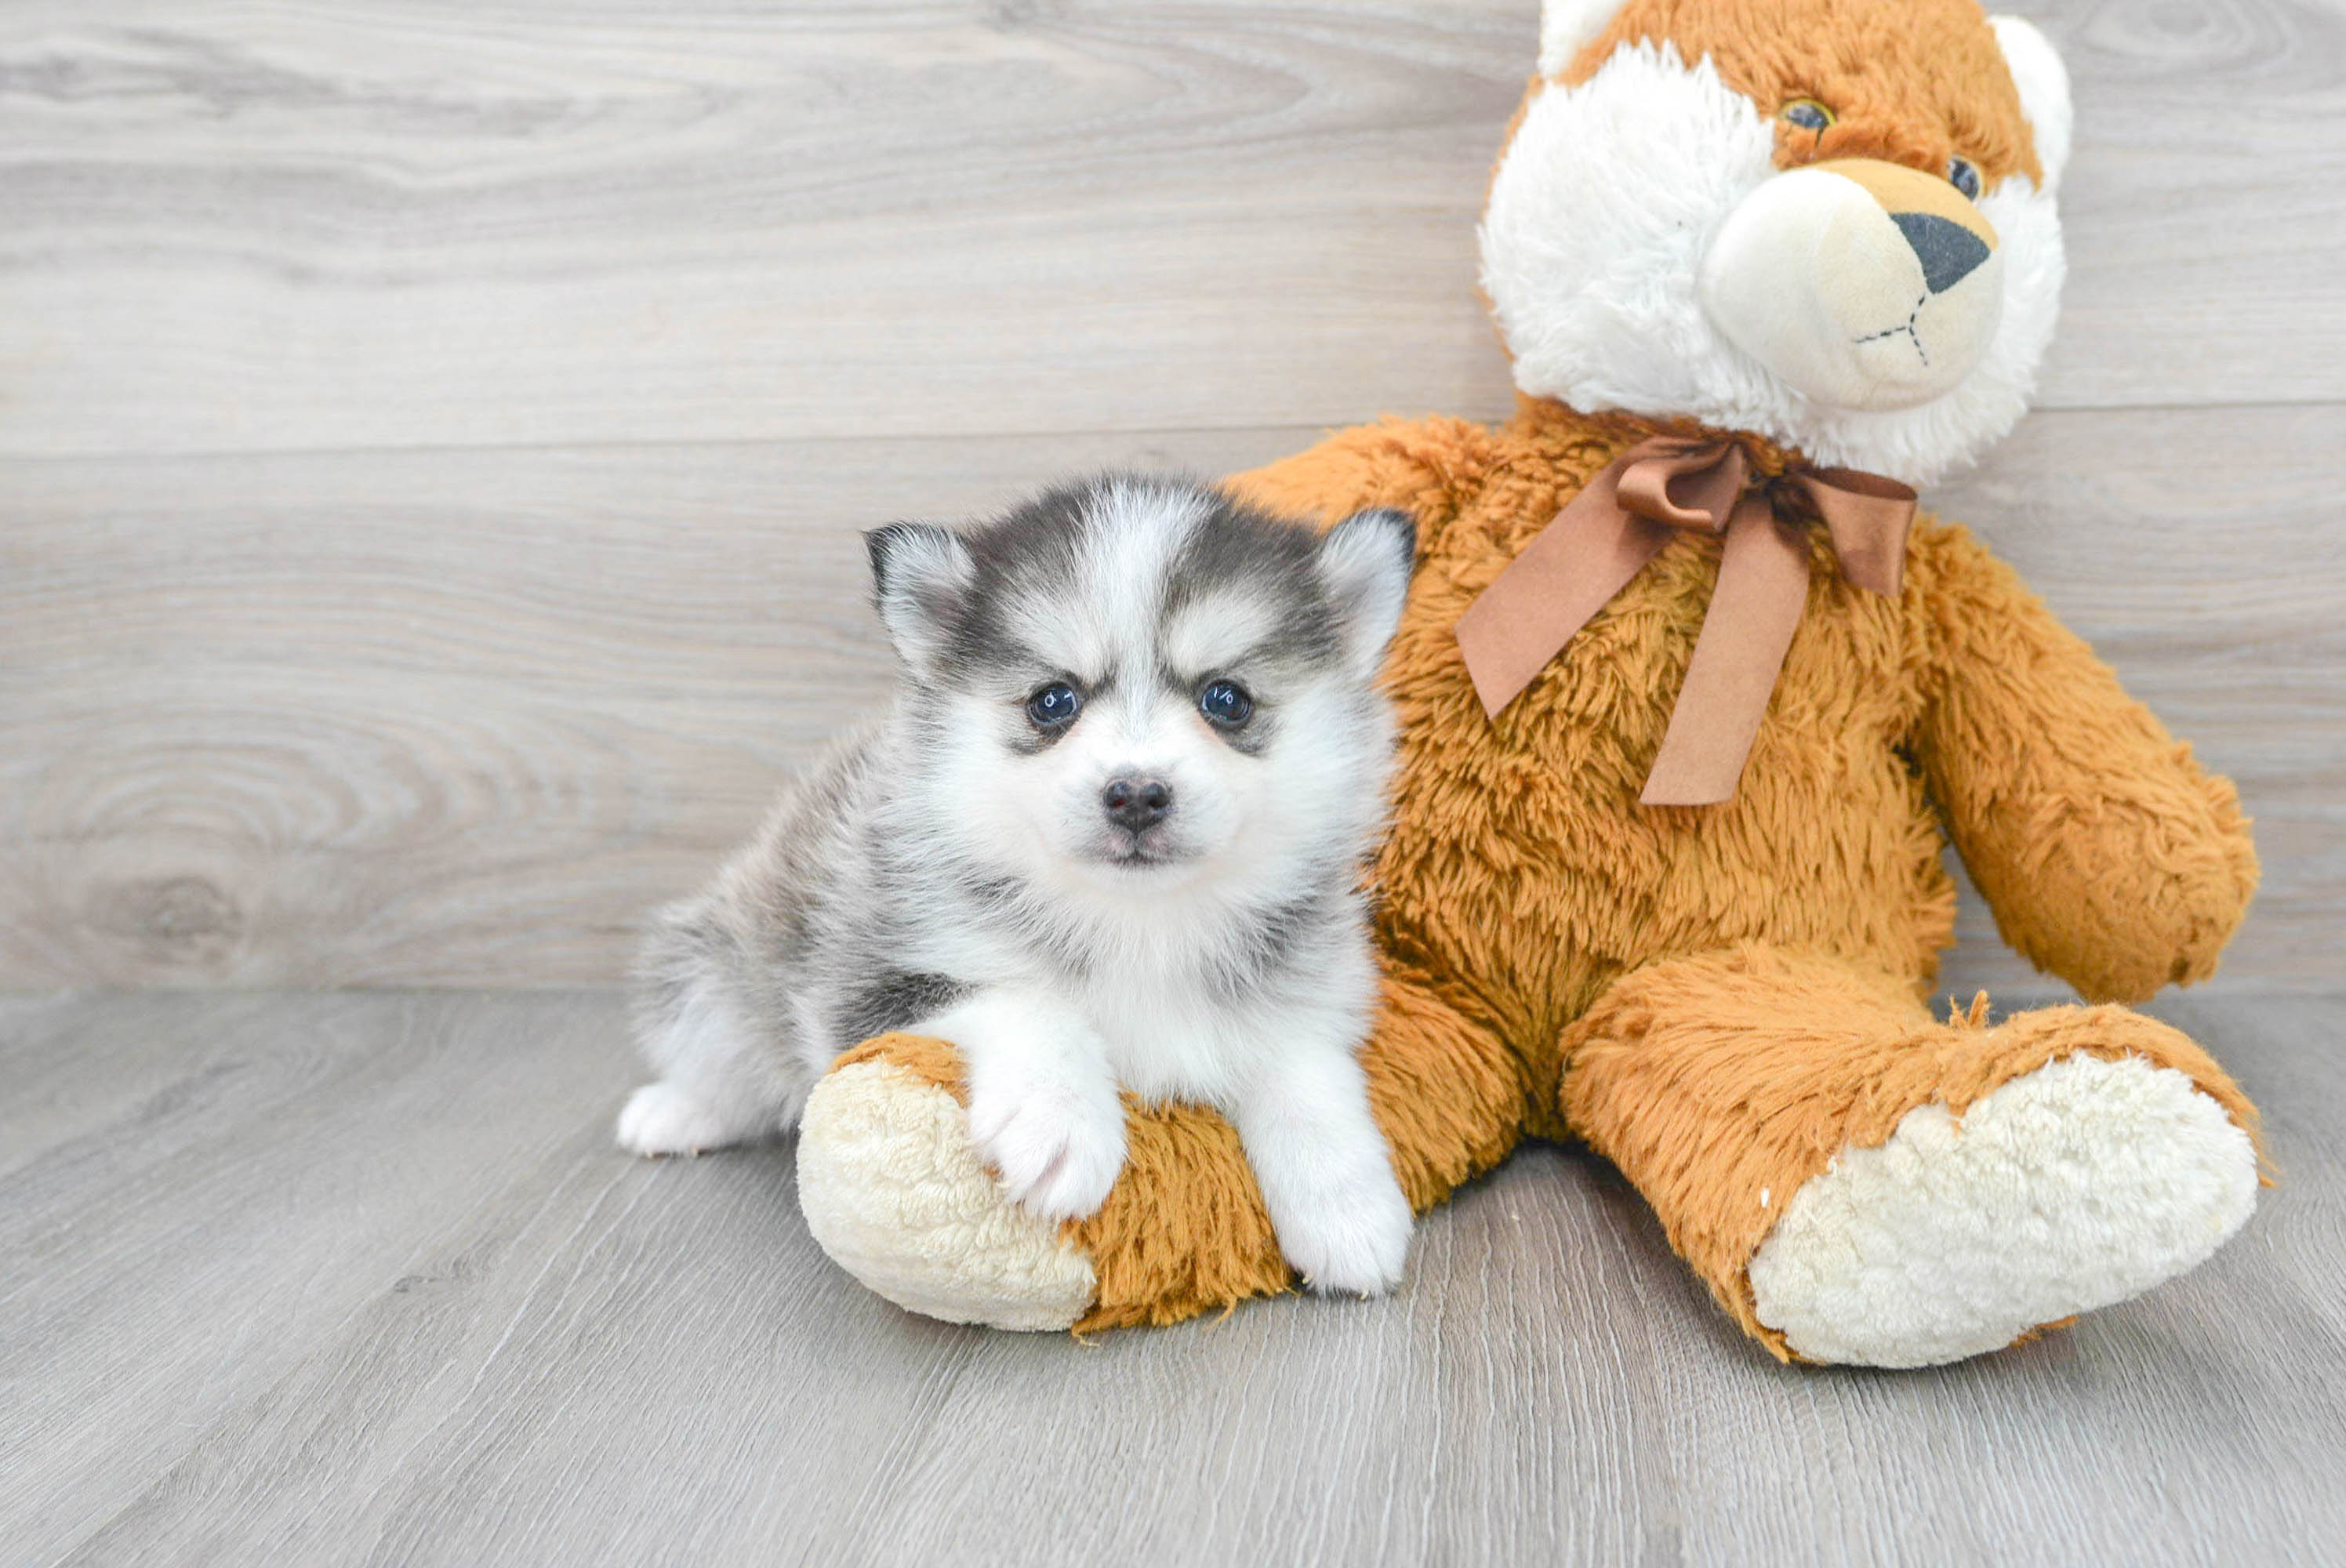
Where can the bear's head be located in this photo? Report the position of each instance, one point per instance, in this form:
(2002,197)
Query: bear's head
(1828,222)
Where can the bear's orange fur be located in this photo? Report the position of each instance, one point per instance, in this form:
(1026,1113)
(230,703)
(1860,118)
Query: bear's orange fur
(1908,84)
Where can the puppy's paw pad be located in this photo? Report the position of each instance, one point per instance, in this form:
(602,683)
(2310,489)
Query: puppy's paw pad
(1057,1150)
(662,1119)
(1355,1243)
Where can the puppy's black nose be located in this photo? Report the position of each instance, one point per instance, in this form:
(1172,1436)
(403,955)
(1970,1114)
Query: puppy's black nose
(1133,804)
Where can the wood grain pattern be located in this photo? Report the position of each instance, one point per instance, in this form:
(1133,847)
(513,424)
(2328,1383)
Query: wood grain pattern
(461,718)
(431,435)
(445,717)
(359,1279)
(423,224)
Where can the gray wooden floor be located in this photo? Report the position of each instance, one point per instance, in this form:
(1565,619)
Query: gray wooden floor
(359,1278)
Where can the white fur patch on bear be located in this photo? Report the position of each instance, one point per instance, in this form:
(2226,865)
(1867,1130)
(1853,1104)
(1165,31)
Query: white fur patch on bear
(2072,1187)
(1566,27)
(1599,216)
(893,1191)
(2043,83)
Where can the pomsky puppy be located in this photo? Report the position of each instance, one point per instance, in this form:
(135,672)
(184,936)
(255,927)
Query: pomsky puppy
(1112,835)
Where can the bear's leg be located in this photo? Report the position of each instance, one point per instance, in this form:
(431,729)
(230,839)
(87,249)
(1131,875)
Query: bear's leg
(1859,1184)
(893,1191)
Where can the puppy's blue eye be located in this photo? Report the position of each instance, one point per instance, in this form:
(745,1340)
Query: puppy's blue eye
(1226,703)
(1963,176)
(1055,704)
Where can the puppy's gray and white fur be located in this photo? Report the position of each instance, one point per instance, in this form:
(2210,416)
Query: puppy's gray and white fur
(1073,852)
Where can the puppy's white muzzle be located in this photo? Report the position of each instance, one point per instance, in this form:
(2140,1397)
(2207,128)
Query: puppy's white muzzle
(1859,283)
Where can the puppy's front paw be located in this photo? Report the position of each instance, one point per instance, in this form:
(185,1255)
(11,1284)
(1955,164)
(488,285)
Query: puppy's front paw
(662,1119)
(1057,1146)
(1350,1241)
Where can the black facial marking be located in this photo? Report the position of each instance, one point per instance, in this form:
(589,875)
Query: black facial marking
(1255,738)
(1030,547)
(1038,547)
(1241,549)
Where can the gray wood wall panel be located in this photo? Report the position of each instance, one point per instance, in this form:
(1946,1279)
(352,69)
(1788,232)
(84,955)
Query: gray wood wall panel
(459,717)
(431,437)
(430,224)
(360,1279)
(451,717)
(443,225)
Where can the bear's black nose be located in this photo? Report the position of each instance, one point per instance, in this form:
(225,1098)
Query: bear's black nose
(1133,804)
(1949,251)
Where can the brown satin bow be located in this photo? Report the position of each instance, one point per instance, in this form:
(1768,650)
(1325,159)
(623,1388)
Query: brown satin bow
(1621,520)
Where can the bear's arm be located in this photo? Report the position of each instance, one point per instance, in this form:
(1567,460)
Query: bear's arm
(1426,467)
(2110,858)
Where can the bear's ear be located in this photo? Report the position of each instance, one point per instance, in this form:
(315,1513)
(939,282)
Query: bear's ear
(1566,27)
(2043,83)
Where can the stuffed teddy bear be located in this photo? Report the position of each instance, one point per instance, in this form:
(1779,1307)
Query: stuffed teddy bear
(1691,701)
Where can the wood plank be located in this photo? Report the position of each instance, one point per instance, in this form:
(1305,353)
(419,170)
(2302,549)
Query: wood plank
(598,1360)
(312,226)
(62,1081)
(420,225)
(448,717)
(2188,270)
(461,718)
(275,1166)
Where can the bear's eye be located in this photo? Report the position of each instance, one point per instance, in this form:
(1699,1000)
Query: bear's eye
(1225,704)
(1054,706)
(1965,177)
(1809,114)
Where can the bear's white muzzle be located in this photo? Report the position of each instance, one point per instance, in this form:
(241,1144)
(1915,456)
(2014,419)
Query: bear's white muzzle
(1859,283)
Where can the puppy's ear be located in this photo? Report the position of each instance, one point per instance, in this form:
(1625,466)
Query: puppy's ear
(1364,564)
(921,577)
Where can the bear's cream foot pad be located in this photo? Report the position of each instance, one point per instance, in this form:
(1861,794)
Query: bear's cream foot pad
(2073,1187)
(893,1191)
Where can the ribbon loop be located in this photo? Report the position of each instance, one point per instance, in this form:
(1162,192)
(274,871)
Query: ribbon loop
(1693,487)
(1867,516)
(1620,520)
